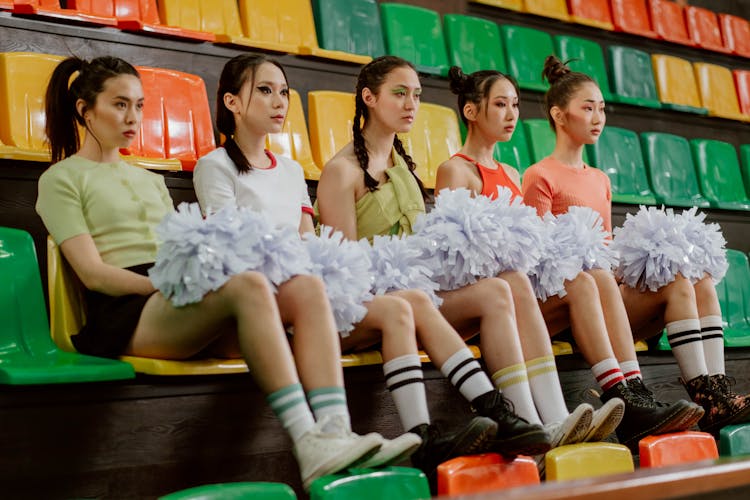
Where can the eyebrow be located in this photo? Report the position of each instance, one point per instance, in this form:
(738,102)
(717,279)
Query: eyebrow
(594,101)
(504,96)
(124,98)
(268,82)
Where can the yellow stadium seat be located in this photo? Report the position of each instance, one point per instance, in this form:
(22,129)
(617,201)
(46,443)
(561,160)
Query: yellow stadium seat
(717,90)
(293,141)
(434,137)
(585,460)
(68,315)
(556,9)
(504,4)
(330,115)
(220,17)
(561,348)
(675,82)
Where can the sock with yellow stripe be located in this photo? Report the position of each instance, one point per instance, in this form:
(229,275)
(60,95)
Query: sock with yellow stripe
(290,406)
(513,382)
(546,390)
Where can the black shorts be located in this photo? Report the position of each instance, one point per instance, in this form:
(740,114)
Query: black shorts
(110,321)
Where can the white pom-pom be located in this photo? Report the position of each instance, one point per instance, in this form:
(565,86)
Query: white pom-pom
(344,267)
(591,239)
(706,253)
(652,249)
(397,264)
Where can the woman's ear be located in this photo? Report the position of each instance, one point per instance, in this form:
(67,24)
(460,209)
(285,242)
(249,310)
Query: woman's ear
(558,115)
(368,97)
(81,108)
(231,102)
(470,111)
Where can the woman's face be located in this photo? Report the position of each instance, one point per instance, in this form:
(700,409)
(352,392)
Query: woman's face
(584,118)
(116,116)
(497,115)
(262,102)
(396,102)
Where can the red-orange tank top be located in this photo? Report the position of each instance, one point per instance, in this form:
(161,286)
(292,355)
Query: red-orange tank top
(492,177)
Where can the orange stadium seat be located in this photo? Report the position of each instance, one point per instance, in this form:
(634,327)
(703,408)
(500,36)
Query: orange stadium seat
(736,33)
(676,84)
(591,13)
(556,9)
(486,472)
(52,9)
(717,90)
(742,84)
(503,4)
(293,141)
(330,114)
(677,448)
(668,20)
(631,16)
(6,4)
(703,28)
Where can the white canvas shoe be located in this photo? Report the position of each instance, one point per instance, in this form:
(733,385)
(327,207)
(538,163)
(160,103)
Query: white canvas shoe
(606,419)
(394,451)
(573,429)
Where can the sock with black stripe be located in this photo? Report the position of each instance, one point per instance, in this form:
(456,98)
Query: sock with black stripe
(686,342)
(464,372)
(405,380)
(712,338)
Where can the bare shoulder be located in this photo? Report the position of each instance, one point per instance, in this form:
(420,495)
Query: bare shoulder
(512,173)
(343,169)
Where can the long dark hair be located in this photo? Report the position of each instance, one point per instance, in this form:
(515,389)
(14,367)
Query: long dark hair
(372,76)
(234,75)
(563,84)
(475,87)
(62,116)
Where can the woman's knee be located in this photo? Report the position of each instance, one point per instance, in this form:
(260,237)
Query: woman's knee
(395,315)
(495,294)
(681,289)
(416,299)
(248,283)
(584,284)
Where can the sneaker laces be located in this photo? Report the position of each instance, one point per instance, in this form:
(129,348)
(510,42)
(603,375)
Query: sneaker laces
(499,406)
(638,388)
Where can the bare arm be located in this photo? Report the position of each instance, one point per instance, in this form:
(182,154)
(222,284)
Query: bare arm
(452,175)
(306,224)
(337,197)
(98,276)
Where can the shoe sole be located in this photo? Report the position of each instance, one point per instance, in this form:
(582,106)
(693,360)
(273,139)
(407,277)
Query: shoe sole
(403,447)
(690,420)
(578,424)
(474,438)
(605,420)
(668,424)
(739,417)
(367,446)
(531,443)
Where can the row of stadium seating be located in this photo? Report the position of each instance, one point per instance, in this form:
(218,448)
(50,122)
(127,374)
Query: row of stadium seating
(657,19)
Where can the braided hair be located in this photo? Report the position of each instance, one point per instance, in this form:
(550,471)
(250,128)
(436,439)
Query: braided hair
(563,85)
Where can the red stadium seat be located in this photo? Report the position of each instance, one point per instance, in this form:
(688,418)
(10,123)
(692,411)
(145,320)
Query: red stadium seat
(631,16)
(736,33)
(677,448)
(742,83)
(52,9)
(591,13)
(703,28)
(486,472)
(668,21)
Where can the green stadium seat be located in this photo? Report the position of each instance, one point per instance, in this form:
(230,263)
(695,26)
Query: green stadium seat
(591,13)
(27,353)
(349,26)
(541,139)
(703,28)
(515,152)
(234,491)
(632,77)
(735,32)
(745,164)
(631,16)
(473,43)
(676,84)
(585,56)
(403,483)
(415,34)
(618,154)
(719,174)
(736,307)
(668,21)
(671,170)
(585,460)
(734,440)
(484,473)
(525,52)
(676,448)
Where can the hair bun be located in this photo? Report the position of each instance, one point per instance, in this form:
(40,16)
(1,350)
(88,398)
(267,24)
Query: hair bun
(458,80)
(554,69)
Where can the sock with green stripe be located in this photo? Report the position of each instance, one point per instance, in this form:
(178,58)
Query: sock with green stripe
(290,406)
(330,401)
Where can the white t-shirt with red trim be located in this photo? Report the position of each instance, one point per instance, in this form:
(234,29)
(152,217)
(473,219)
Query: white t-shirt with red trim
(279,191)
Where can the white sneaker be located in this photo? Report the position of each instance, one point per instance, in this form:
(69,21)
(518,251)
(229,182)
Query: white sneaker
(394,451)
(573,429)
(320,452)
(606,419)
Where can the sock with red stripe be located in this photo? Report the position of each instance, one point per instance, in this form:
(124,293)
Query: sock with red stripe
(631,370)
(607,373)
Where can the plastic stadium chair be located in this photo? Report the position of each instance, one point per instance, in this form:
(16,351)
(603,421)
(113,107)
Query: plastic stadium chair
(541,139)
(734,440)
(745,165)
(556,9)
(51,9)
(516,5)
(631,16)
(584,460)
(703,28)
(525,51)
(351,26)
(668,20)
(632,77)
(719,174)
(415,34)
(516,151)
(675,82)
(736,306)
(585,56)
(676,448)
(330,116)
(235,491)
(742,84)
(618,154)
(27,353)
(6,4)
(403,483)
(293,141)
(718,93)
(68,315)
(486,472)
(591,13)
(735,32)
(671,170)
(434,137)
(474,43)
(176,119)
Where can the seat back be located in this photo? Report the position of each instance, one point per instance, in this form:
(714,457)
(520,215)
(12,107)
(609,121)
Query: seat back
(220,17)
(556,9)
(293,140)
(735,31)
(717,90)
(742,85)
(584,460)
(745,165)
(592,13)
(585,56)
(734,440)
(288,23)
(349,25)
(541,139)
(485,472)
(176,117)
(677,448)
(515,152)
(675,81)
(434,137)
(632,77)
(234,491)
(703,28)
(719,173)
(331,115)
(618,154)
(525,52)
(503,4)
(671,170)
(668,20)
(415,34)
(474,43)
(736,310)
(390,482)
(67,306)
(631,16)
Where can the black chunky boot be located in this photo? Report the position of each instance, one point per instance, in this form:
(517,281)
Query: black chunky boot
(723,407)
(691,417)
